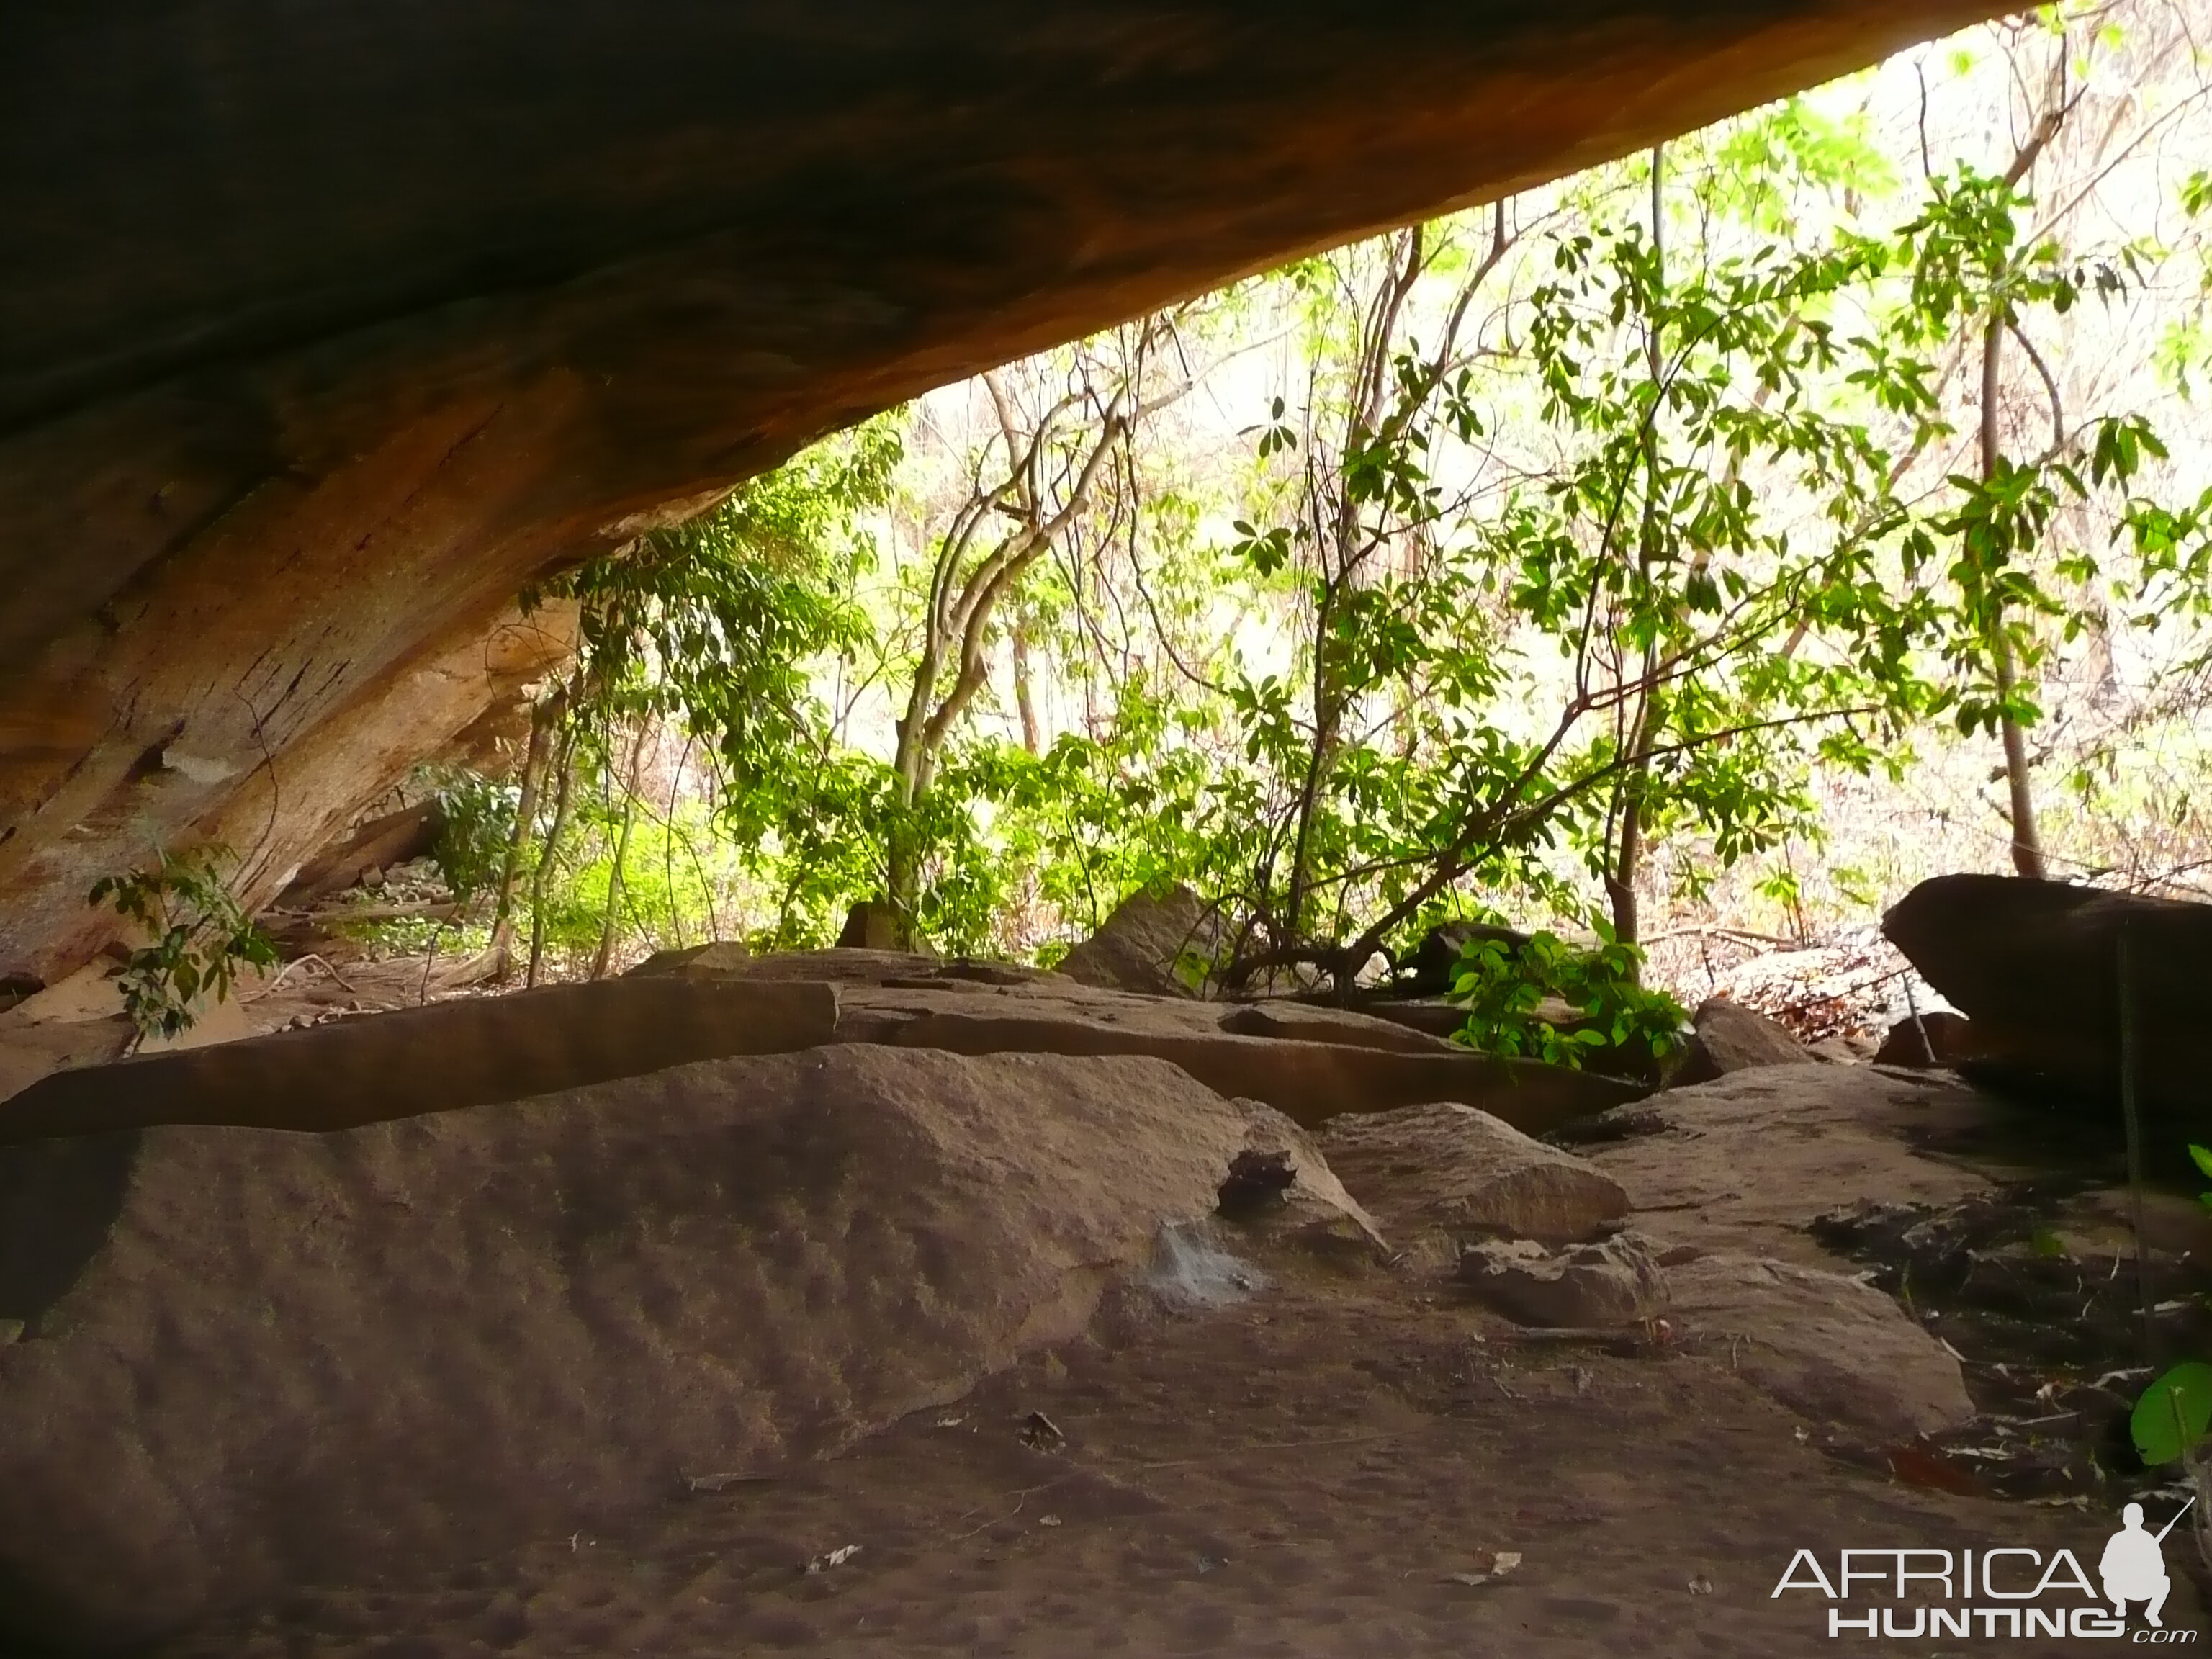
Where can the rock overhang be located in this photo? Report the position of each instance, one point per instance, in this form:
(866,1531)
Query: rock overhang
(322,333)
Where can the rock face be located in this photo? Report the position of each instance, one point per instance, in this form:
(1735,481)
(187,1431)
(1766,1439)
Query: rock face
(1731,1037)
(2035,966)
(1281,1185)
(1442,1176)
(449,1054)
(1824,1344)
(255,1359)
(1142,945)
(1617,1282)
(322,338)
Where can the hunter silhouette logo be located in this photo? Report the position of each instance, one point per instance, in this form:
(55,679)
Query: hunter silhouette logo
(2133,1565)
(2000,1592)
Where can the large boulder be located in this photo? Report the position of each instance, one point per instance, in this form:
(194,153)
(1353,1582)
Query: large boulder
(1923,1042)
(1827,1345)
(252,1360)
(1730,1037)
(1155,944)
(469,1051)
(2034,965)
(1445,1175)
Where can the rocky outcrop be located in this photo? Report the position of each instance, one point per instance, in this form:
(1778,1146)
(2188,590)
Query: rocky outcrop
(252,1360)
(275,770)
(1443,1177)
(469,1051)
(2034,966)
(320,342)
(1827,1345)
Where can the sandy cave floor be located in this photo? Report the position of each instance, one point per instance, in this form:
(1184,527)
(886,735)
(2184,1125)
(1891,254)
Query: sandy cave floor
(1296,1476)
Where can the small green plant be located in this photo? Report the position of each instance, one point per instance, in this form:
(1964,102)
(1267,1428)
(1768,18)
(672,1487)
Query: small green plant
(475,822)
(200,937)
(1548,1000)
(2171,1418)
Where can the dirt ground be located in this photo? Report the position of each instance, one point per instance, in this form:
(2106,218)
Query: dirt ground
(1294,1477)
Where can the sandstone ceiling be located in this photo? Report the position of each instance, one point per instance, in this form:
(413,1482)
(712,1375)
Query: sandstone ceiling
(324,328)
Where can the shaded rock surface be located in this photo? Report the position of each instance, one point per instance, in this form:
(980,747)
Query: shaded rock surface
(2035,966)
(1937,1038)
(388,838)
(255,1359)
(713,1000)
(1616,1281)
(1823,1343)
(1442,1176)
(469,1051)
(1143,945)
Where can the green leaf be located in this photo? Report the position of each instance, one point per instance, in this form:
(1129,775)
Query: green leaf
(2174,1414)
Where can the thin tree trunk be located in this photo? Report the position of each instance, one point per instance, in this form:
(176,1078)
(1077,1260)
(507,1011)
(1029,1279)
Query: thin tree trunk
(1032,739)
(545,721)
(2027,838)
(610,925)
(554,831)
(1620,884)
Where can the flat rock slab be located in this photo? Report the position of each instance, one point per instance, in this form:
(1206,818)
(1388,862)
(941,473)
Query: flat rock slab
(1822,1343)
(1442,1175)
(469,1051)
(1744,1163)
(1301,1023)
(257,1359)
(1310,1083)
